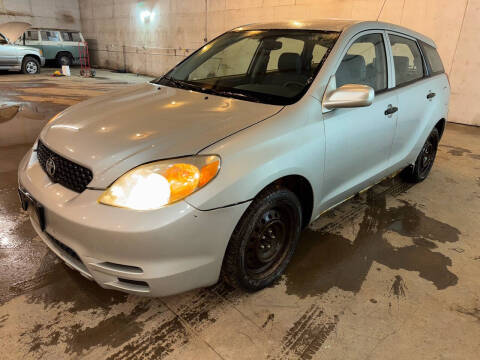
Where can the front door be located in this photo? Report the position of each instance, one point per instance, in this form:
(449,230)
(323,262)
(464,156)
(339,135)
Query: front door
(359,140)
(8,53)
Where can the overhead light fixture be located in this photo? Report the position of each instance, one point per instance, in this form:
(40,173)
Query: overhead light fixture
(147,16)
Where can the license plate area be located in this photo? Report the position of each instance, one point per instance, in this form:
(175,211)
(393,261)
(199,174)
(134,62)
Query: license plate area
(31,205)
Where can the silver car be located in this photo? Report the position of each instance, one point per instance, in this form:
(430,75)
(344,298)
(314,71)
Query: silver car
(16,57)
(214,169)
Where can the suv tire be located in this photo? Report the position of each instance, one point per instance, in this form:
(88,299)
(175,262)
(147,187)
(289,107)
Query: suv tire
(420,170)
(30,65)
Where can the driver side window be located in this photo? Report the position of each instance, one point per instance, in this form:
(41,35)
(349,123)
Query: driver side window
(364,63)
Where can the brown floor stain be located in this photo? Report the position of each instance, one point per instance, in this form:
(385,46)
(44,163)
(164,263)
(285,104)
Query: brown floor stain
(307,334)
(399,287)
(8,112)
(324,260)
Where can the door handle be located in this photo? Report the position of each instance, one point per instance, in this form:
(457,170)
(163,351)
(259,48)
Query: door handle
(431,95)
(391,110)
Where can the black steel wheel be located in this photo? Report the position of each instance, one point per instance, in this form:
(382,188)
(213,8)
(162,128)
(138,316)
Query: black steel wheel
(420,170)
(264,240)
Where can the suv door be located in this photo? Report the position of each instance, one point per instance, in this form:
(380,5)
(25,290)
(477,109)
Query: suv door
(359,140)
(420,98)
(51,43)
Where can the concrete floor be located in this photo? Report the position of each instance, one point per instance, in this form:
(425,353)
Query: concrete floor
(392,274)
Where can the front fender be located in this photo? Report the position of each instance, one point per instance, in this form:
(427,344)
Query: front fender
(290,143)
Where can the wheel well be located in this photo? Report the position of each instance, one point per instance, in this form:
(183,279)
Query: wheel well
(440,126)
(60,53)
(301,187)
(32,56)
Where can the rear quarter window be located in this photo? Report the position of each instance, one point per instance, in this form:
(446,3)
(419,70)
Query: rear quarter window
(433,59)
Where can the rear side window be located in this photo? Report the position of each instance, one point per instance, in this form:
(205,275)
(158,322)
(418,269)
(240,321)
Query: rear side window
(50,35)
(31,35)
(433,59)
(71,36)
(364,63)
(407,60)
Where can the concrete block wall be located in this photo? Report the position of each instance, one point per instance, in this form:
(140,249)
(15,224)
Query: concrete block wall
(63,14)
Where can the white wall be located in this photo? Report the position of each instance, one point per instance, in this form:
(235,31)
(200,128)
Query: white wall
(42,13)
(120,39)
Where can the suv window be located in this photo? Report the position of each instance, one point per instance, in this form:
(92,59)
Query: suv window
(71,36)
(31,35)
(406,59)
(433,59)
(50,35)
(364,63)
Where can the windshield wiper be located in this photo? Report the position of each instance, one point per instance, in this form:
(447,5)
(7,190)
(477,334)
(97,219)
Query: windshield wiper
(233,94)
(181,84)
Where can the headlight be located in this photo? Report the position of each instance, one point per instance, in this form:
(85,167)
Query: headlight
(160,183)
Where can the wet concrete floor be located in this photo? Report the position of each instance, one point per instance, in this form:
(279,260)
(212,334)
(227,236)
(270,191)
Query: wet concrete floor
(391,274)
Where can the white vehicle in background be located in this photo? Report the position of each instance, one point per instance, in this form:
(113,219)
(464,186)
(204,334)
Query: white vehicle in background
(63,46)
(15,57)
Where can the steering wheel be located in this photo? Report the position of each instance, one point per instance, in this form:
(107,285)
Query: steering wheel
(292,82)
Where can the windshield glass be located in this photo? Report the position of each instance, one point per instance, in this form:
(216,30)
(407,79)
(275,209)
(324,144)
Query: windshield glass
(269,66)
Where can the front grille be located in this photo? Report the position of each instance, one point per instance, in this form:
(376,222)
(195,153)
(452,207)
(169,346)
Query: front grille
(67,173)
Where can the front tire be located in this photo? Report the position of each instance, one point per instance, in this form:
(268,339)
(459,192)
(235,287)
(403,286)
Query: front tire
(264,240)
(30,65)
(420,170)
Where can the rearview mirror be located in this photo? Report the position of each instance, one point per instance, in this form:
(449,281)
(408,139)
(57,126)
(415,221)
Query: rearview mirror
(349,96)
(271,44)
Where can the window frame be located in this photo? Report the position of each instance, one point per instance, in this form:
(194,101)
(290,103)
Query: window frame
(386,47)
(426,73)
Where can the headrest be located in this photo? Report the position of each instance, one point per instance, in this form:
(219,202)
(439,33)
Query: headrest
(352,70)
(290,62)
(401,63)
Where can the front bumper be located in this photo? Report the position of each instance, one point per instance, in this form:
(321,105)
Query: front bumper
(156,253)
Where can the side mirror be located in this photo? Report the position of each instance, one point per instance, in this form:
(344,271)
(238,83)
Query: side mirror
(348,96)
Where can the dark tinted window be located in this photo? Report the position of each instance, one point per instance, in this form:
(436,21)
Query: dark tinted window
(433,59)
(31,35)
(407,60)
(364,63)
(50,35)
(71,36)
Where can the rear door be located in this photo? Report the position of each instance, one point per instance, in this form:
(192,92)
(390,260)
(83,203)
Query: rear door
(359,140)
(71,41)
(418,98)
(51,43)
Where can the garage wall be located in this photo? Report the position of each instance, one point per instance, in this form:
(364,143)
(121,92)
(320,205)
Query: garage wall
(121,40)
(63,14)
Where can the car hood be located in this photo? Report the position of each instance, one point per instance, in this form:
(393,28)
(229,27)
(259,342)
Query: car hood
(13,30)
(113,133)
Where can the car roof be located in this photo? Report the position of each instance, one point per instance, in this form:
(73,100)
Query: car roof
(54,29)
(338,25)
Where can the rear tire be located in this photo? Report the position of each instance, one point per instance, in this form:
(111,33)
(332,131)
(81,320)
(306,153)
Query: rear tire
(30,65)
(64,59)
(264,240)
(420,170)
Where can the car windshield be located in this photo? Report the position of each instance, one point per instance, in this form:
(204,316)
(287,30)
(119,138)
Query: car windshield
(268,66)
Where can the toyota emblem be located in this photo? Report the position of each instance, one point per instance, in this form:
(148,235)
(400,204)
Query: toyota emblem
(50,166)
